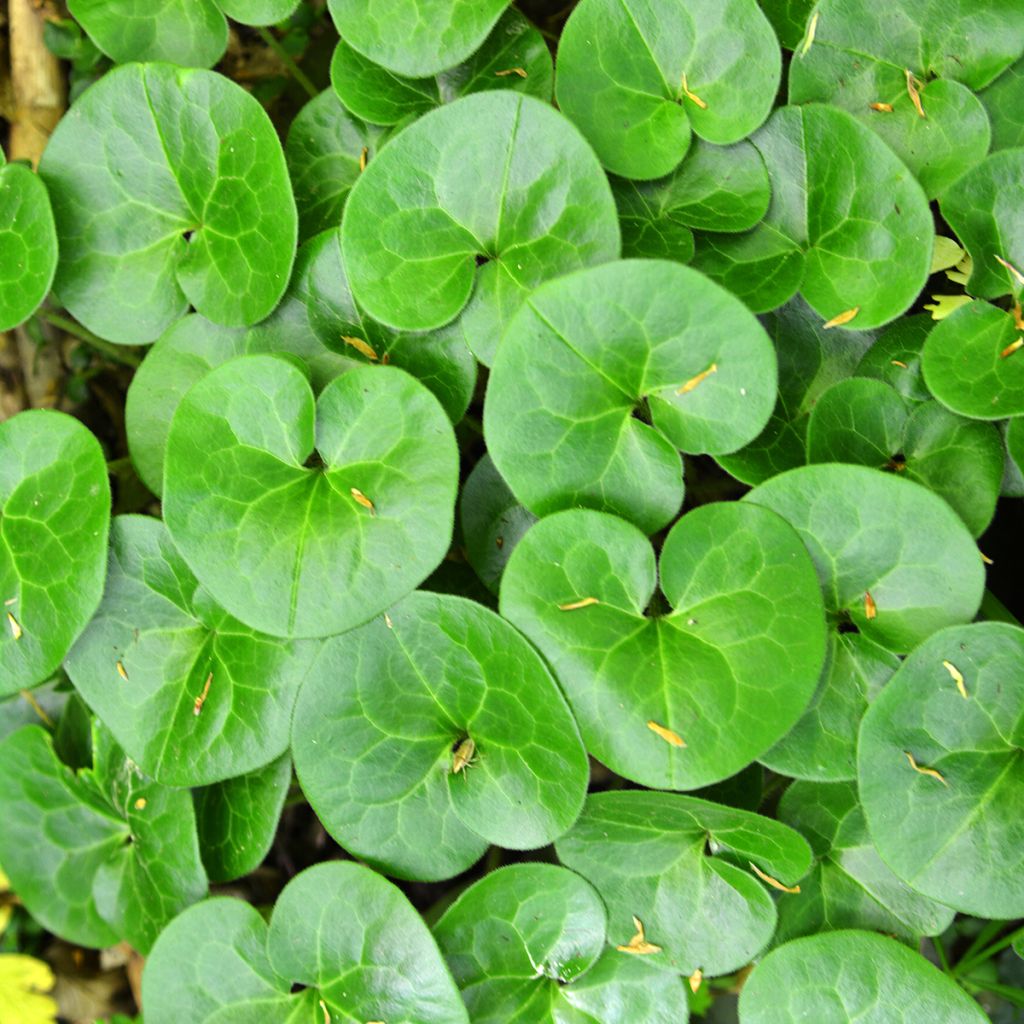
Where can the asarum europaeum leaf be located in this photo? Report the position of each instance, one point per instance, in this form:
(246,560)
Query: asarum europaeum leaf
(514,56)
(851,976)
(469,209)
(193,695)
(169,188)
(850,886)
(973,364)
(306,516)
(896,563)
(604,375)
(28,244)
(343,944)
(789,19)
(1004,102)
(415,38)
(98,855)
(433,731)
(896,357)
(528,943)
(694,873)
(940,771)
(685,689)
(258,12)
(638,76)
(848,224)
(54,520)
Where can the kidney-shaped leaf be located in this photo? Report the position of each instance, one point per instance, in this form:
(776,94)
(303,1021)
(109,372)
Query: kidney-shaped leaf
(496,179)
(1004,102)
(54,519)
(638,75)
(169,188)
(585,352)
(692,872)
(192,694)
(941,774)
(435,730)
(527,943)
(344,938)
(852,977)
(304,516)
(674,698)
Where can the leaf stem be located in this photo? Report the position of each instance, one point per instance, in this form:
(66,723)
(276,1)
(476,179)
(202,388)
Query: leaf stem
(116,353)
(972,958)
(289,62)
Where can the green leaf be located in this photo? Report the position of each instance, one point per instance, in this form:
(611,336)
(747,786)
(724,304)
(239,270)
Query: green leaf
(493,522)
(192,33)
(267,533)
(852,976)
(428,207)
(236,819)
(158,644)
(687,697)
(325,147)
(789,19)
(896,357)
(986,210)
(258,12)
(951,831)
(1014,440)
(54,517)
(687,869)
(637,77)
(382,97)
(189,204)
(352,944)
(1004,101)
(28,244)
(559,415)
(97,856)
(383,759)
(965,366)
(867,422)
(850,885)
(435,34)
(527,943)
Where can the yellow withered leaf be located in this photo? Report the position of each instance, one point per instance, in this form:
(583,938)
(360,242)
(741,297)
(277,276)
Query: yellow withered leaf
(899,362)
(694,381)
(812,27)
(521,72)
(583,602)
(666,734)
(883,108)
(638,945)
(16,631)
(692,96)
(695,979)
(870,608)
(122,672)
(197,707)
(924,771)
(914,87)
(363,500)
(362,159)
(841,318)
(957,677)
(1014,346)
(360,346)
(773,882)
(1011,268)
(24,982)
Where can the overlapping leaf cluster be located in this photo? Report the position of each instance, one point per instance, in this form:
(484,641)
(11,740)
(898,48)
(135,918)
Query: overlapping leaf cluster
(676,245)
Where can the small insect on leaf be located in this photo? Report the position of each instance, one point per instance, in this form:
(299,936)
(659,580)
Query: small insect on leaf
(1011,268)
(694,381)
(363,500)
(16,631)
(692,96)
(773,882)
(841,318)
(957,677)
(666,734)
(583,602)
(463,756)
(924,771)
(899,362)
(914,87)
(197,707)
(695,979)
(883,108)
(1011,348)
(870,608)
(362,347)
(362,159)
(812,27)
(638,945)
(140,804)
(121,672)
(521,72)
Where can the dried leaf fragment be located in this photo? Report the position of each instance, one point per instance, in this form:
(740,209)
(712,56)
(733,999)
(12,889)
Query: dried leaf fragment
(16,631)
(841,318)
(363,500)
(957,677)
(29,697)
(914,87)
(985,558)
(666,734)
(362,159)
(1006,353)
(812,27)
(197,707)
(1011,268)
(695,979)
(362,347)
(463,756)
(870,608)
(924,771)
(774,882)
(883,108)
(583,602)
(140,804)
(388,622)
(121,672)
(693,96)
(638,945)
(899,362)
(327,1016)
(10,601)
(694,381)
(521,72)
(1018,316)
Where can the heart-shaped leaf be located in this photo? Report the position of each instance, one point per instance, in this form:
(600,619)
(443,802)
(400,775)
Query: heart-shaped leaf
(689,871)
(789,19)
(237,819)
(192,694)
(637,77)
(852,976)
(850,885)
(972,365)
(269,534)
(682,698)
(352,944)
(527,942)
(940,771)
(435,34)
(54,518)
(190,204)
(514,56)
(426,213)
(28,244)
(866,422)
(432,731)
(258,12)
(559,416)
(895,564)
(896,357)
(99,855)
(1004,101)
